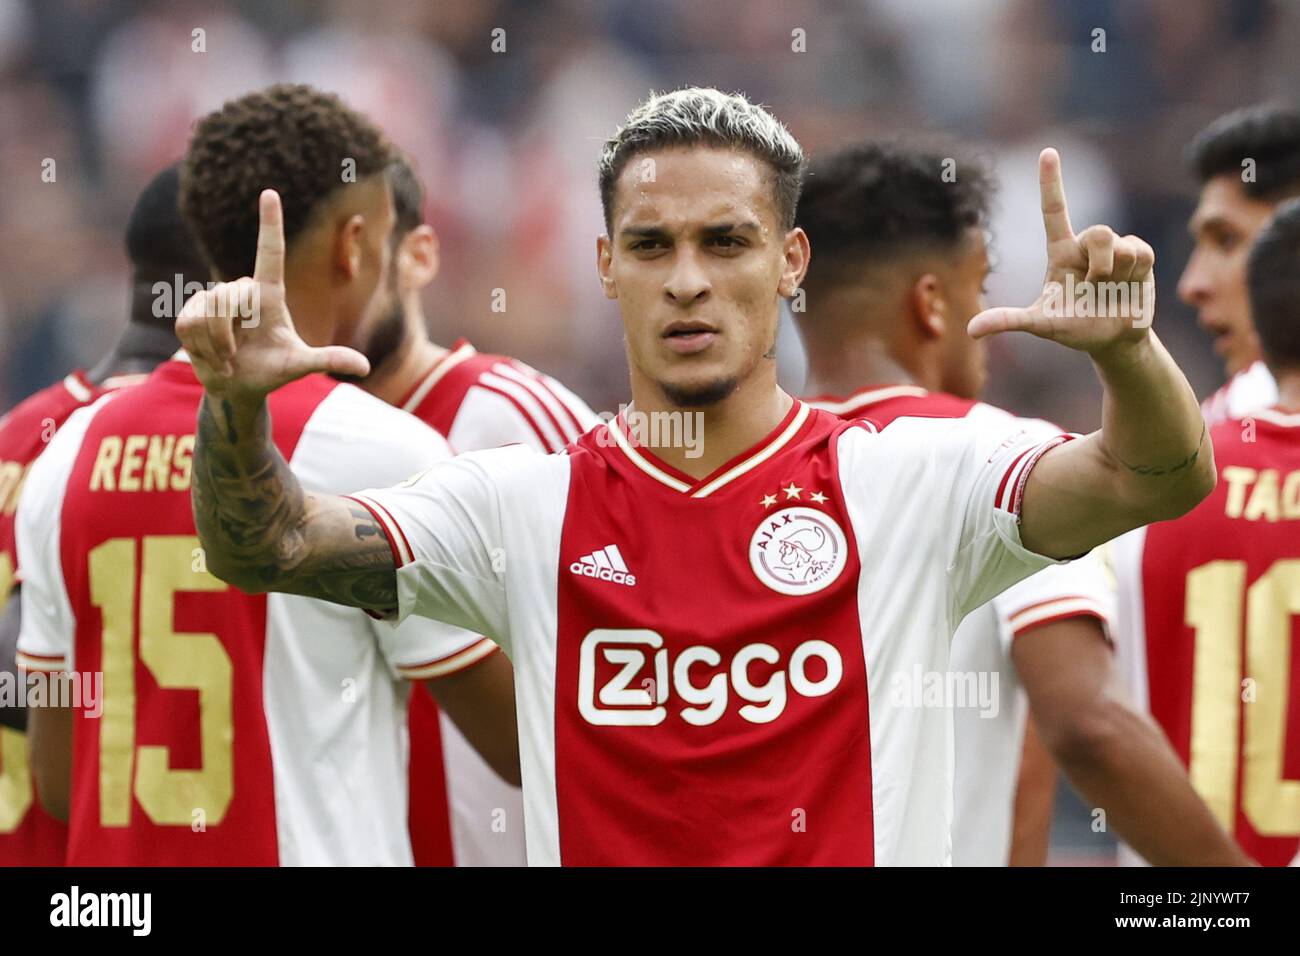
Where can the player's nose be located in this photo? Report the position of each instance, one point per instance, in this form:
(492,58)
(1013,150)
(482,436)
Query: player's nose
(1193,285)
(687,283)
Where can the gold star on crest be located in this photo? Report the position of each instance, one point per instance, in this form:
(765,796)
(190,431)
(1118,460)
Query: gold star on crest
(792,490)
(768,501)
(818,497)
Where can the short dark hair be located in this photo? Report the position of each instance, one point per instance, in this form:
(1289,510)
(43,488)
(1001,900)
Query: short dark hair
(878,200)
(703,116)
(159,243)
(408,197)
(160,247)
(1273,278)
(1268,134)
(292,138)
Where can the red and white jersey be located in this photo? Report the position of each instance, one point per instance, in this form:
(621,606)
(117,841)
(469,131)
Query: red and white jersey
(235,729)
(462,813)
(28,835)
(1208,635)
(706,668)
(1248,391)
(484,401)
(990,722)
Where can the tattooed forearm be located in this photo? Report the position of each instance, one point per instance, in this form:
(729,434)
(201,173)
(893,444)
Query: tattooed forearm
(263,532)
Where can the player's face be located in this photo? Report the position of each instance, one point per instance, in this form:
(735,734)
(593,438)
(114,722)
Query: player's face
(698,262)
(1223,226)
(369,290)
(382,331)
(964,360)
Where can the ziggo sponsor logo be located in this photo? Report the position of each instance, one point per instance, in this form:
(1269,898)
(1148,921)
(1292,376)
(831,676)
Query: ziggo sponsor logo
(619,704)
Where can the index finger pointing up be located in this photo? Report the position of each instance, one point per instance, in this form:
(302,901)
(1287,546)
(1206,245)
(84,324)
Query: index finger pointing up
(269,265)
(1056,217)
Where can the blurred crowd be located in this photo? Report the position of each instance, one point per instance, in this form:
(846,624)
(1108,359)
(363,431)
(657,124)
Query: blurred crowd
(504,104)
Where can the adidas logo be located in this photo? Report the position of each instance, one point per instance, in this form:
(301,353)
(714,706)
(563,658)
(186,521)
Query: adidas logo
(604,564)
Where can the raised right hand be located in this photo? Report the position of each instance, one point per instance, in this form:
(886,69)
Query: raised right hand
(240,336)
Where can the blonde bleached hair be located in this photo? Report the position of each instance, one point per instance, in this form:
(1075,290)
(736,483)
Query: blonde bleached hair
(702,116)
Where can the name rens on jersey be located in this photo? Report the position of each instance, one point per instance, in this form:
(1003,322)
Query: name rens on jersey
(143,463)
(1261,495)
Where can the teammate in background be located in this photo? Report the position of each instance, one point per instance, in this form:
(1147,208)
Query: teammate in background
(726,699)
(900,264)
(479,401)
(163,259)
(1247,161)
(236,729)
(1208,602)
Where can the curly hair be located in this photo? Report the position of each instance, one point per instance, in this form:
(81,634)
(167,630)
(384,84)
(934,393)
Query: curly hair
(1269,134)
(292,138)
(880,199)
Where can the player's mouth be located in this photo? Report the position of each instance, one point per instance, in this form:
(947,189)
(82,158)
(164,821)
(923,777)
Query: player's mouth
(1222,341)
(687,337)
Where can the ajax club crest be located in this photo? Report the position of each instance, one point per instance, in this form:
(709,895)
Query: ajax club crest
(798,551)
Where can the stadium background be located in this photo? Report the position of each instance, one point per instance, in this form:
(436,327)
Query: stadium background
(507,141)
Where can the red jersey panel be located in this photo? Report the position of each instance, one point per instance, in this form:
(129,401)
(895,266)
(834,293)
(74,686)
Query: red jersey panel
(632,641)
(28,835)
(1221,589)
(157,777)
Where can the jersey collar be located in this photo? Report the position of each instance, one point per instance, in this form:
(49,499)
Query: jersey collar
(78,386)
(863,397)
(746,461)
(1277,417)
(460,351)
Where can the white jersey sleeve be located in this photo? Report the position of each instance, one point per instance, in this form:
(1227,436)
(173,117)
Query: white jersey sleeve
(46,638)
(450,544)
(1123,559)
(982,464)
(515,404)
(959,483)
(1250,390)
(354,440)
(1081,588)
(990,463)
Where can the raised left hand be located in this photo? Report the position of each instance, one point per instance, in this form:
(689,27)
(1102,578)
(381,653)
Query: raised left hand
(1100,287)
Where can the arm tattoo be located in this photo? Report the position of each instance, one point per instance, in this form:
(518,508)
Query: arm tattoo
(1158,470)
(263,532)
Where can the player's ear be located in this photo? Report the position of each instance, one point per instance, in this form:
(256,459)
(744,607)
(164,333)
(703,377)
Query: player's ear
(422,248)
(929,310)
(347,245)
(797,251)
(605,266)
